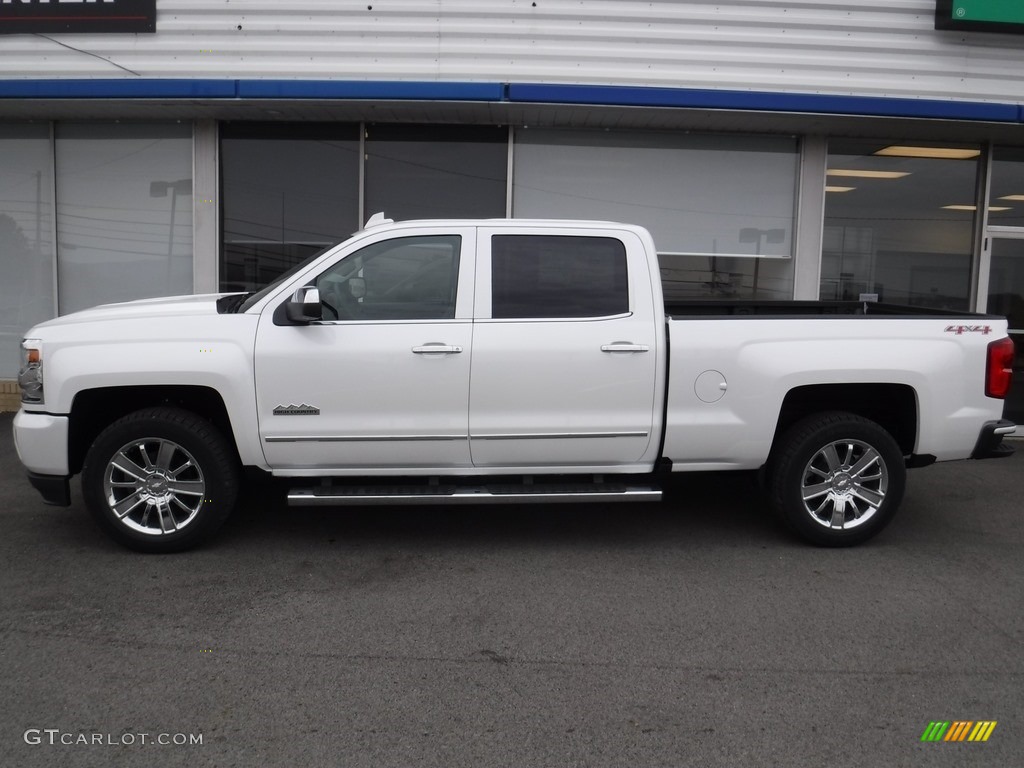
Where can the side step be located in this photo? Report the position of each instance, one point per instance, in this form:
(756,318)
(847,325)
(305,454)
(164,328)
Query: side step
(350,496)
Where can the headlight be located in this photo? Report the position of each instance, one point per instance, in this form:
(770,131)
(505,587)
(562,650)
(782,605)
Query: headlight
(30,376)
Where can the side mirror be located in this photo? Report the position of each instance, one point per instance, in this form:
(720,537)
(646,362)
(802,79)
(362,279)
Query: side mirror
(304,306)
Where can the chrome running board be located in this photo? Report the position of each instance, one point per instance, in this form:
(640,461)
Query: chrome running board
(348,496)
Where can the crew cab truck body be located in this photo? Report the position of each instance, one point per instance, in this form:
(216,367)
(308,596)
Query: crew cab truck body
(497,361)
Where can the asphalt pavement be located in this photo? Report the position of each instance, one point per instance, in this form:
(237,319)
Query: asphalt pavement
(695,632)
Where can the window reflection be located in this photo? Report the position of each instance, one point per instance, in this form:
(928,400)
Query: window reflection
(288,191)
(720,208)
(686,278)
(899,223)
(1006,297)
(436,172)
(124,212)
(26,243)
(1006,198)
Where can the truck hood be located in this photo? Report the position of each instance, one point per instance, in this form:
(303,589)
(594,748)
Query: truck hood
(168,306)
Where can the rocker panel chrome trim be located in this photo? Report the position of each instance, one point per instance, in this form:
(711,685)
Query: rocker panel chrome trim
(359,438)
(557,435)
(310,498)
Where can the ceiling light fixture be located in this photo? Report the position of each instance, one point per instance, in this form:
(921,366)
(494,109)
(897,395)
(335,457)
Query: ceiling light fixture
(995,208)
(1015,198)
(839,189)
(937,153)
(852,173)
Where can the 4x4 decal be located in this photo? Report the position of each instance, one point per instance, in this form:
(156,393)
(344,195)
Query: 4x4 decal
(959,330)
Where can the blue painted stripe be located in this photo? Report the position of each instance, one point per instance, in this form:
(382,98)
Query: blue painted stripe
(118,89)
(250,89)
(761,101)
(519,93)
(398,90)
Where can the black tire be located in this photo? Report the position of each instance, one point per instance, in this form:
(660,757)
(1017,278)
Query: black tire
(850,469)
(171,475)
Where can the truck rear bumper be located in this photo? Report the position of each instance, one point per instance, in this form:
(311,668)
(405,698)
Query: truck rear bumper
(990,443)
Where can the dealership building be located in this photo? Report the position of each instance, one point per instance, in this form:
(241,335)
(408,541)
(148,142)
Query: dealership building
(776,150)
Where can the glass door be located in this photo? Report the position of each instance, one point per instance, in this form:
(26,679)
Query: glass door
(1006,297)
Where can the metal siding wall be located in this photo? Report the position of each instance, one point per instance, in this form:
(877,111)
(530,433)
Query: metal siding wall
(872,47)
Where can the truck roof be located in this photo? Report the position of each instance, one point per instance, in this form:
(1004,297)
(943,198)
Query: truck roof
(374,222)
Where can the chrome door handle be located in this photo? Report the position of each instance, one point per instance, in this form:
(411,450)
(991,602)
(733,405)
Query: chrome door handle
(436,349)
(624,346)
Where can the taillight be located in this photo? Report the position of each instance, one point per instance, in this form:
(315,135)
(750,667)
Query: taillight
(999,369)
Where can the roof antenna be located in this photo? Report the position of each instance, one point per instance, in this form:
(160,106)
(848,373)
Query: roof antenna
(377,220)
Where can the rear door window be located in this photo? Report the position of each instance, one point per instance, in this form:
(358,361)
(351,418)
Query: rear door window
(558,276)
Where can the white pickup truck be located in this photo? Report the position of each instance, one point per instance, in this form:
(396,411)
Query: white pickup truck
(442,362)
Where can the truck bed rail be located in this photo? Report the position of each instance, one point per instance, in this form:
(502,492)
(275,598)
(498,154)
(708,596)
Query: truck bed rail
(682,309)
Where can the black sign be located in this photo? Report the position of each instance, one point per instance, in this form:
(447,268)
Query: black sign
(52,16)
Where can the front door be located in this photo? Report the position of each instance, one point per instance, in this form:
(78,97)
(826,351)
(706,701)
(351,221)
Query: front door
(382,382)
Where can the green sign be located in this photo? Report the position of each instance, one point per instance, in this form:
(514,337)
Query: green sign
(980,15)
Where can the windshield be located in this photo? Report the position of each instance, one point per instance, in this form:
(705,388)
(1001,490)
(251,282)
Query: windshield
(253,298)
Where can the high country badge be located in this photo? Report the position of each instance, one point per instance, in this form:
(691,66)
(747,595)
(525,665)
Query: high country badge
(296,410)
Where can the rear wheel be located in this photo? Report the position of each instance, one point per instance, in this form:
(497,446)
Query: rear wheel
(836,479)
(160,480)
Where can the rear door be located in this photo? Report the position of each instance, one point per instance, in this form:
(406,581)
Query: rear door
(564,350)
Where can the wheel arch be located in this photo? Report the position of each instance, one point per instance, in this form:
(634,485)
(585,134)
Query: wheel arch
(894,407)
(94,409)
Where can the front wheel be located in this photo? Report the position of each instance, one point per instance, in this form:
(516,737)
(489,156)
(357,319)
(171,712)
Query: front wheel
(836,479)
(160,480)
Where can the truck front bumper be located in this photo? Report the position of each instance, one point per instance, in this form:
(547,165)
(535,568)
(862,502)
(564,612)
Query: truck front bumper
(990,443)
(41,441)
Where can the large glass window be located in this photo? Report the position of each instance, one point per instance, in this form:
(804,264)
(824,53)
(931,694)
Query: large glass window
(1006,199)
(436,172)
(899,223)
(1006,270)
(124,212)
(1006,297)
(720,208)
(288,191)
(26,240)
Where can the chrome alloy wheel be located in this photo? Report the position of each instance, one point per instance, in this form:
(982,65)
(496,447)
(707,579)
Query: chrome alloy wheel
(154,486)
(844,484)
